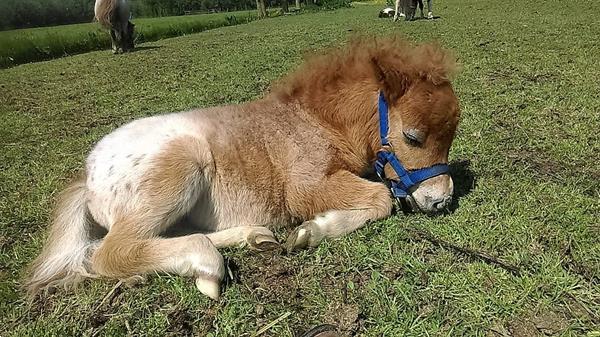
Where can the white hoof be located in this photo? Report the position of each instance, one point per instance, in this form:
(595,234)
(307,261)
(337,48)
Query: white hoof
(208,287)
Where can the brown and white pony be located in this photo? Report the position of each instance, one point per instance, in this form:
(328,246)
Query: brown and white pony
(298,156)
(114,15)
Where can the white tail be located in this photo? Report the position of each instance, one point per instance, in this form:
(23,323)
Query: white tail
(63,260)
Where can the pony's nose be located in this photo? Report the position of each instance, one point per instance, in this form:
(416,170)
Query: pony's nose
(441,203)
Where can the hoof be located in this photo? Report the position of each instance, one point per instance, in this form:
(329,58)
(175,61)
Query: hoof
(134,280)
(208,287)
(262,242)
(299,238)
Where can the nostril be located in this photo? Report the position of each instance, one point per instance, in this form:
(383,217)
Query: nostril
(442,202)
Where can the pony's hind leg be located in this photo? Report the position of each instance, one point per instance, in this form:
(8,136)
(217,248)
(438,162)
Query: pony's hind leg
(124,253)
(346,203)
(429,9)
(410,9)
(173,181)
(128,44)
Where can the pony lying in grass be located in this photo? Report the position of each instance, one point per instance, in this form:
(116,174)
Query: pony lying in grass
(299,156)
(387,13)
(114,15)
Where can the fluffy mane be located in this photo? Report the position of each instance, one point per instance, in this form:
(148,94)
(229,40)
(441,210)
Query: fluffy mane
(358,62)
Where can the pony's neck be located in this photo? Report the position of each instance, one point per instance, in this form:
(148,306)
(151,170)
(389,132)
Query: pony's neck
(351,114)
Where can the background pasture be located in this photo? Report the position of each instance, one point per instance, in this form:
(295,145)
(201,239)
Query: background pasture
(37,44)
(525,163)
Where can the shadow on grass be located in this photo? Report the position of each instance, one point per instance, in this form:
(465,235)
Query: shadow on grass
(419,18)
(464,181)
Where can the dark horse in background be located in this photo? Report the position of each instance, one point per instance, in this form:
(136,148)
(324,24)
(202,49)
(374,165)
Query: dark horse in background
(114,15)
(408,8)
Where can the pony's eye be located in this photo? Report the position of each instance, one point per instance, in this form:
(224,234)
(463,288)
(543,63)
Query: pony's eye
(412,137)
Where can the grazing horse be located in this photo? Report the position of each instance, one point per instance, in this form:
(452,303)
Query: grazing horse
(299,156)
(114,15)
(407,9)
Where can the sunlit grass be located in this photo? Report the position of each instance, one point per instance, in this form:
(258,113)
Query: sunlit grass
(527,183)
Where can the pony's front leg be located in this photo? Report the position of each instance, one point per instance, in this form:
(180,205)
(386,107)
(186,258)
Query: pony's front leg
(397,8)
(349,203)
(255,237)
(429,9)
(113,40)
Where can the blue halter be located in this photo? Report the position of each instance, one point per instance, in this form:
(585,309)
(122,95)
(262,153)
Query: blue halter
(408,178)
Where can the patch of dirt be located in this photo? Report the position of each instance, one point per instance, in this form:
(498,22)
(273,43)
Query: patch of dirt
(498,330)
(393,272)
(546,323)
(274,278)
(550,323)
(98,319)
(573,309)
(43,304)
(345,316)
(104,306)
(206,323)
(570,263)
(271,279)
(181,322)
(545,168)
(522,328)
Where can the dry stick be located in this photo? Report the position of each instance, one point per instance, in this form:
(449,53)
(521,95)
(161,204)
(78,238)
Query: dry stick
(270,325)
(466,251)
(569,263)
(110,294)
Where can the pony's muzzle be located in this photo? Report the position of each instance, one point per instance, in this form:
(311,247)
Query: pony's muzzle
(433,195)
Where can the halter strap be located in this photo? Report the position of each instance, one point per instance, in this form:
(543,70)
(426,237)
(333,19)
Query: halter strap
(383,120)
(408,178)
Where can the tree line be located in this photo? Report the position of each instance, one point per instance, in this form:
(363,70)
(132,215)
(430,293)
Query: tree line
(38,13)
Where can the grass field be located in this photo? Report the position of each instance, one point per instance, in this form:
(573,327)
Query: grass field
(525,163)
(35,44)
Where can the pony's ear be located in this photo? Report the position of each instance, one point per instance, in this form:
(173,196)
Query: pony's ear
(392,80)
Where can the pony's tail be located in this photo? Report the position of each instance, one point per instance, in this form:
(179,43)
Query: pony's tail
(64,259)
(104,10)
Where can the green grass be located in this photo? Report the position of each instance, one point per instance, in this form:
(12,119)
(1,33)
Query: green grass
(528,194)
(35,44)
